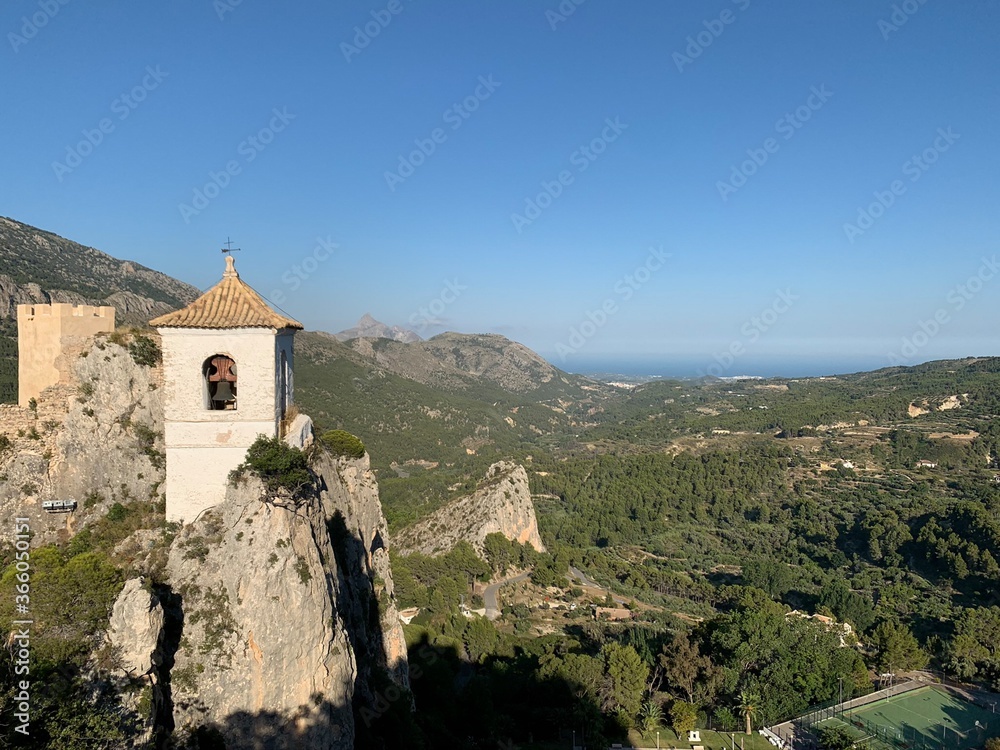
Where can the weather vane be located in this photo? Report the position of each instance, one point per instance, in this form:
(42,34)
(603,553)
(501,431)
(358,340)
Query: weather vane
(229,247)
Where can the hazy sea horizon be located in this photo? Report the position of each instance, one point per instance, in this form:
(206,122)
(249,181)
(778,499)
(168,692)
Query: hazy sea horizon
(695,367)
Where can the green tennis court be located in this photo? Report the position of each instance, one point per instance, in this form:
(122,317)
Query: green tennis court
(924,719)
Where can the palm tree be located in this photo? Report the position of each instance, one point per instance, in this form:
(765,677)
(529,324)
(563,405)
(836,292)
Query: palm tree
(749,704)
(651,716)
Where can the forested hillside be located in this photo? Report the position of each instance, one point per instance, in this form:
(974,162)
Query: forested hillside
(714,509)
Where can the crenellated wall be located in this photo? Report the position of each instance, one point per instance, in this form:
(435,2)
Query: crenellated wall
(44,333)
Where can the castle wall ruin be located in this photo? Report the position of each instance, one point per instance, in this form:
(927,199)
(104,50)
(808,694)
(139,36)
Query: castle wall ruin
(44,333)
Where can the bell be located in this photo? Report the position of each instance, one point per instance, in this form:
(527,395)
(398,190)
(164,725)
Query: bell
(223,392)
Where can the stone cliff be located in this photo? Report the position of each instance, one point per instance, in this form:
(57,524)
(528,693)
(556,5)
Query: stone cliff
(502,504)
(96,439)
(289,626)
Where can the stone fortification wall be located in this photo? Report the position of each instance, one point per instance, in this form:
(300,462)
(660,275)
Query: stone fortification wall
(44,333)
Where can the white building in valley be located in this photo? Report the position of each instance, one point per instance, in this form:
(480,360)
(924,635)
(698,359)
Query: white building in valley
(227,366)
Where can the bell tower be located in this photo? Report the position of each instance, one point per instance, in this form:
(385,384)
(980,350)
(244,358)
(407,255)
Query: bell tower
(227,367)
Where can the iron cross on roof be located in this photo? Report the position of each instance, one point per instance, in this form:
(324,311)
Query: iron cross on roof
(229,247)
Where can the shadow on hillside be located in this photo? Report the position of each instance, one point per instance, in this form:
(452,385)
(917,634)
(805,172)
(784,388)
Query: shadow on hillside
(381,707)
(500,704)
(173,629)
(267,730)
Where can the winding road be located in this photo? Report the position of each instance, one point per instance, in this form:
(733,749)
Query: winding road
(582,577)
(491,591)
(490,595)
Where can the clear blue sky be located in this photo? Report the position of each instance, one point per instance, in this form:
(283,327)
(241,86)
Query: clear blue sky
(533,85)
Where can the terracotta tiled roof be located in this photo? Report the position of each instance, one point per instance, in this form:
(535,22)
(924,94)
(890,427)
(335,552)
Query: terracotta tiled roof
(229,304)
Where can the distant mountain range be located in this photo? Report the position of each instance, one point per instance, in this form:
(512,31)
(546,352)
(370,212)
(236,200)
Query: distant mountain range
(369,328)
(457,397)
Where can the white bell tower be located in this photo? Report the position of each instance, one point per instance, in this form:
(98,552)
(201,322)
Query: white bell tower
(227,366)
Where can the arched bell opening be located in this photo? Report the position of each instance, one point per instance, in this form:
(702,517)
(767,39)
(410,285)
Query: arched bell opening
(219,377)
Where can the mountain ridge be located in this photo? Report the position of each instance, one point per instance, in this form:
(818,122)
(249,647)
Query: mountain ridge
(369,328)
(40,267)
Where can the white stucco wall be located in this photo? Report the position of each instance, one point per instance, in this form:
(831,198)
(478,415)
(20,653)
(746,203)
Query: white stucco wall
(202,445)
(196,479)
(184,353)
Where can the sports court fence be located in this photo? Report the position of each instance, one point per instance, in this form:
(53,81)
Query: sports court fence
(834,709)
(801,733)
(798,733)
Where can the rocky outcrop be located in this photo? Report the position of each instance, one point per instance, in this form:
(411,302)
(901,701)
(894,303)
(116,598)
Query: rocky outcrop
(288,614)
(262,643)
(136,628)
(95,438)
(502,504)
(350,494)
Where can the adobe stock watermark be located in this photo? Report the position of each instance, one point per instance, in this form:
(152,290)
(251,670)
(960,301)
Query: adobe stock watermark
(428,315)
(714,28)
(750,332)
(122,106)
(364,34)
(223,7)
(19,640)
(455,116)
(581,158)
(901,14)
(562,12)
(622,291)
(957,298)
(31,25)
(786,126)
(306,266)
(250,148)
(915,167)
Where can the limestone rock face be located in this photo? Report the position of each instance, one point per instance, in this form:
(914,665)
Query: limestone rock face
(136,628)
(95,438)
(502,504)
(351,493)
(287,611)
(299,434)
(117,410)
(263,645)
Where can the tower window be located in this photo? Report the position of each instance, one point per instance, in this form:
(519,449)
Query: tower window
(220,383)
